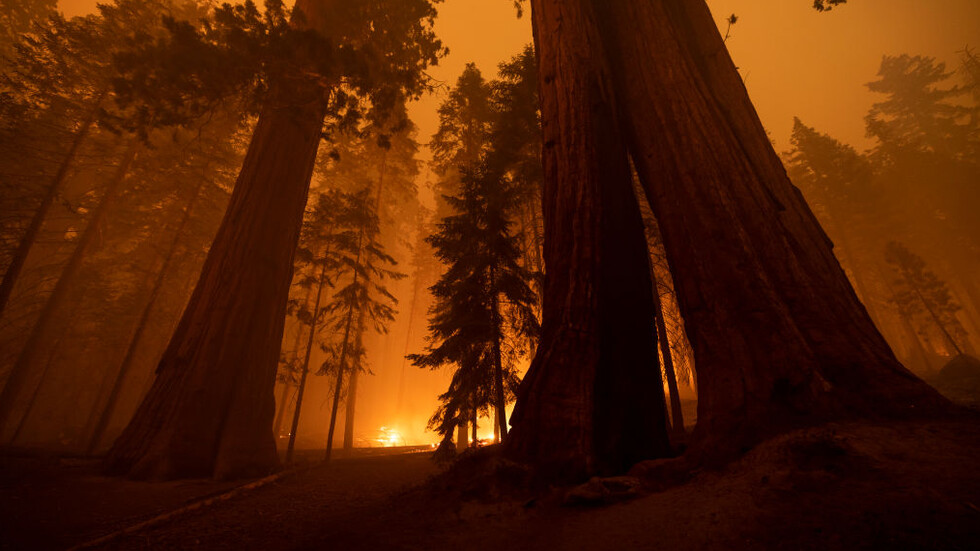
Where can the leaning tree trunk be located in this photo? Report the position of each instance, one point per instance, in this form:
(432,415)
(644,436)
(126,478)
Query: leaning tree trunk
(778,334)
(25,366)
(102,413)
(592,399)
(210,410)
(41,214)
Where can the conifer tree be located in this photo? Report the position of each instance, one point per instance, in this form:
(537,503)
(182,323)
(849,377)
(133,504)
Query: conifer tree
(483,320)
(362,302)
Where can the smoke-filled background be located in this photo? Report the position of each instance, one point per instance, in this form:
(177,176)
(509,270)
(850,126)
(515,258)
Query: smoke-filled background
(893,216)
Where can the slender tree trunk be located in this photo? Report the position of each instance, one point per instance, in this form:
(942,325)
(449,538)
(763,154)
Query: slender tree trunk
(351,402)
(35,345)
(676,413)
(281,403)
(778,333)
(500,403)
(345,344)
(417,284)
(352,385)
(936,320)
(473,425)
(592,399)
(41,214)
(55,348)
(306,363)
(103,415)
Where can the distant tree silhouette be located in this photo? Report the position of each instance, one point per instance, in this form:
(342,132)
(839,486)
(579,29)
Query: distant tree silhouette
(362,302)
(920,292)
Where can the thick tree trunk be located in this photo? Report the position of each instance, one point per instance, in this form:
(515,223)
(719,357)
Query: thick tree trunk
(592,399)
(778,334)
(210,410)
(41,214)
(26,362)
(461,439)
(102,414)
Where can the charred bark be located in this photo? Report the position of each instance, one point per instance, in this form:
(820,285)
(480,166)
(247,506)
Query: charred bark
(592,400)
(779,336)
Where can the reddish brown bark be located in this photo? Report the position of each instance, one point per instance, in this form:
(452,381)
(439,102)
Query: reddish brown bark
(778,334)
(591,400)
(210,410)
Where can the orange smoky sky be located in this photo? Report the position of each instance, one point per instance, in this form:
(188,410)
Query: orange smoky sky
(796,62)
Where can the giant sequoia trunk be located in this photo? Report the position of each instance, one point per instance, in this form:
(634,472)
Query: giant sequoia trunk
(210,410)
(778,334)
(592,399)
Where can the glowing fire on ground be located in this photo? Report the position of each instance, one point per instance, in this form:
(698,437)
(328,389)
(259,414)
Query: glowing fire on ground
(389,437)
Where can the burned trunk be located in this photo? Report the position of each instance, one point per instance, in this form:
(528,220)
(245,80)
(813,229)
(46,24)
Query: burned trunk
(779,336)
(210,410)
(592,399)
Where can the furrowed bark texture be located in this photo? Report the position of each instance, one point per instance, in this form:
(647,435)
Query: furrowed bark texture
(778,334)
(210,410)
(591,401)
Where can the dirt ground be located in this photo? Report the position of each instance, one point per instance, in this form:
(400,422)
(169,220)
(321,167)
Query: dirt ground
(842,486)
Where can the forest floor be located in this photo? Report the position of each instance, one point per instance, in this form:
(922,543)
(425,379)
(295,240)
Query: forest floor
(908,485)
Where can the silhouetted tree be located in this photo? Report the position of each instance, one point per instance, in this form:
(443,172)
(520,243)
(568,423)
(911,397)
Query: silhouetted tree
(483,320)
(364,303)
(920,291)
(211,408)
(748,256)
